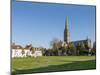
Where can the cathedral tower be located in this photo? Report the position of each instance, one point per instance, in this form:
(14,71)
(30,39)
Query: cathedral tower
(66,32)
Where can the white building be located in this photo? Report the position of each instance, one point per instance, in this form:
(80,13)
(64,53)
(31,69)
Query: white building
(19,51)
(16,53)
(37,52)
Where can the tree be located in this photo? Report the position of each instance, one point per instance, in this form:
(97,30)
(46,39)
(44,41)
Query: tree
(46,52)
(72,49)
(78,49)
(56,45)
(89,45)
(60,44)
(64,49)
(50,52)
(82,46)
(94,45)
(83,50)
(53,43)
(33,50)
(43,50)
(94,48)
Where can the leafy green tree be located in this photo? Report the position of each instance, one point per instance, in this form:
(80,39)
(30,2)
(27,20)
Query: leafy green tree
(94,48)
(89,45)
(72,49)
(43,50)
(83,50)
(94,45)
(33,50)
(65,46)
(64,50)
(78,47)
(50,52)
(82,46)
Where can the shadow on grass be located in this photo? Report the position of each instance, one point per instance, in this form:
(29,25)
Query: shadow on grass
(77,65)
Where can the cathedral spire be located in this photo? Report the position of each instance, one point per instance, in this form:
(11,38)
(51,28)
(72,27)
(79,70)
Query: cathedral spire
(66,32)
(66,23)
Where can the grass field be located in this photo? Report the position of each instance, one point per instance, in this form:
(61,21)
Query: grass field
(52,64)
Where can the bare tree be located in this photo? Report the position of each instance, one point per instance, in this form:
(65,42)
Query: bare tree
(56,45)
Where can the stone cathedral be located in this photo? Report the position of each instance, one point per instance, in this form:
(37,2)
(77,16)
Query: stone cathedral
(87,41)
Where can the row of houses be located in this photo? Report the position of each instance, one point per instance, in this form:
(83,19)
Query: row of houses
(19,51)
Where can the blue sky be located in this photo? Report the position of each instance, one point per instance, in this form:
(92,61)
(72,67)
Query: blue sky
(39,23)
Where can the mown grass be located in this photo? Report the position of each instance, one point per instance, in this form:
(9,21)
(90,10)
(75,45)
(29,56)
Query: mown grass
(52,64)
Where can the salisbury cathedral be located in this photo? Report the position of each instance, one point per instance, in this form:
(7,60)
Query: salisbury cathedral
(87,41)
(67,41)
(68,47)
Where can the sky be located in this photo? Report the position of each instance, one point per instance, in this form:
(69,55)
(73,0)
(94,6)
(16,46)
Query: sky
(39,23)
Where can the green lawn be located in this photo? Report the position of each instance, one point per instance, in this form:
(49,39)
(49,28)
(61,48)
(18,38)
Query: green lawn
(52,64)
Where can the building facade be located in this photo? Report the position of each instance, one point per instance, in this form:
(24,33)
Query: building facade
(19,51)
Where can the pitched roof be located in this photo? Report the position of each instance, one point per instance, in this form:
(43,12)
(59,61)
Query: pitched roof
(13,46)
(28,46)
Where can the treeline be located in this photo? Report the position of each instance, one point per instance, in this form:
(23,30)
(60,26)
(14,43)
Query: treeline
(58,48)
